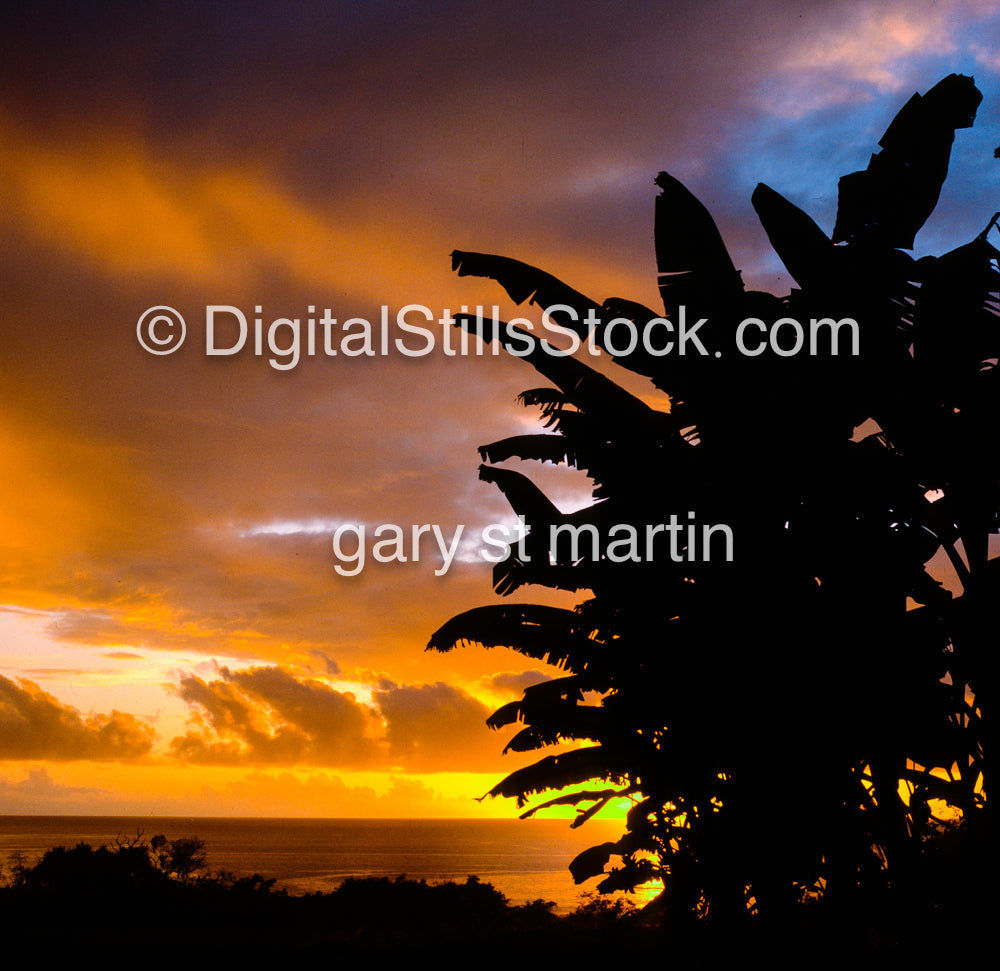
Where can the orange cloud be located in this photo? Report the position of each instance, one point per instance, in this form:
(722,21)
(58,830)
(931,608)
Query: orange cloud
(221,223)
(436,727)
(35,725)
(266,716)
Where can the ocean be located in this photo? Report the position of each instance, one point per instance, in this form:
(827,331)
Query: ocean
(524,859)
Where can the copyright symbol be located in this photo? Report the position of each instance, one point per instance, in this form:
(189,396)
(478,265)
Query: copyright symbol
(161,330)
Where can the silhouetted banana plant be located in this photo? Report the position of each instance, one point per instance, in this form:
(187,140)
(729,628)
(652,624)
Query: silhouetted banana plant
(780,721)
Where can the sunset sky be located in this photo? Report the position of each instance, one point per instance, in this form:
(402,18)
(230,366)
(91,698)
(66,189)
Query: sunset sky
(175,636)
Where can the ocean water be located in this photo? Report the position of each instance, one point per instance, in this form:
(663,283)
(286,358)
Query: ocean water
(524,859)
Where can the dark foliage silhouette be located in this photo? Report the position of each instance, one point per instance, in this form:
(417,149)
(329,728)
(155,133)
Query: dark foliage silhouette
(81,900)
(183,859)
(102,872)
(787,722)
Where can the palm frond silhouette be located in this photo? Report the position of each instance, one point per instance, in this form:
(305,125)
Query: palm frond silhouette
(782,721)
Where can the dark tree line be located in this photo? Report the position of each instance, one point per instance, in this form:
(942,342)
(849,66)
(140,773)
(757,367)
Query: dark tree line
(129,864)
(787,725)
(160,897)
